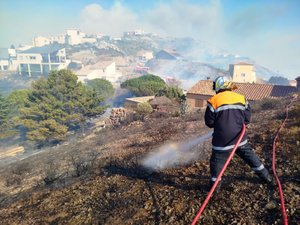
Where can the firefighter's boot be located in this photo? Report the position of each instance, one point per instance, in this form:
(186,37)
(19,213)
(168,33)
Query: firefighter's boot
(265,176)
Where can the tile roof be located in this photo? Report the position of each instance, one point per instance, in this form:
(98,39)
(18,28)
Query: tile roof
(140,99)
(250,91)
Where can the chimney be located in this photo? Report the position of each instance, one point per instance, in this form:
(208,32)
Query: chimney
(298,83)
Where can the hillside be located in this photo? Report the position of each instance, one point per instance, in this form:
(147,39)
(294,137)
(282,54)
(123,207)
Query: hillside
(98,178)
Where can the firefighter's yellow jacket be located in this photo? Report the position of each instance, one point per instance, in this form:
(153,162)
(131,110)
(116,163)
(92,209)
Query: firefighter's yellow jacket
(226,112)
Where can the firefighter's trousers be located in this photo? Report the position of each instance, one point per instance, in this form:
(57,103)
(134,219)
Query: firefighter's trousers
(218,159)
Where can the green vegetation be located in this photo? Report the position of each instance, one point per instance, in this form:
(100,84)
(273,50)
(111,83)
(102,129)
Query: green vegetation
(267,104)
(144,109)
(56,105)
(18,98)
(102,87)
(171,93)
(145,85)
(5,111)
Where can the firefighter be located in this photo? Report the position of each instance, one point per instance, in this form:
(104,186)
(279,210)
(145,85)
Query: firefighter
(226,112)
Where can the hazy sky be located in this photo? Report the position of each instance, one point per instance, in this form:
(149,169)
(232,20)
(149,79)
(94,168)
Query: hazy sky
(268,31)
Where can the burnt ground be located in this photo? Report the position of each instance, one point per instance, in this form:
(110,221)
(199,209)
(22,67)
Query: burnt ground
(99,178)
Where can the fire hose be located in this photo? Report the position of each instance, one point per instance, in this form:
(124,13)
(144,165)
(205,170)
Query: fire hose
(283,210)
(219,176)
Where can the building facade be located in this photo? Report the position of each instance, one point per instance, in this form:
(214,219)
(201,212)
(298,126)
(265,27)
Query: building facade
(198,95)
(41,60)
(242,73)
(103,70)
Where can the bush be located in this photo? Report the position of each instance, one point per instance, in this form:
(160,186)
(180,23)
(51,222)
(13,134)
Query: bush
(51,173)
(295,114)
(82,164)
(266,104)
(144,109)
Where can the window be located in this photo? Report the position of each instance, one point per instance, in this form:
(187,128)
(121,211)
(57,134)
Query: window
(243,74)
(32,58)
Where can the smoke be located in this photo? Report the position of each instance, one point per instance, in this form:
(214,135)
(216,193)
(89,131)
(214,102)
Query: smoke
(175,154)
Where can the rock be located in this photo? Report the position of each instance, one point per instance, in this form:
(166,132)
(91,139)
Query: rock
(270,205)
(188,179)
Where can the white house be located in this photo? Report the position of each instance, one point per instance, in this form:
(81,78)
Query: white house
(4,59)
(144,56)
(60,39)
(40,41)
(41,60)
(8,59)
(74,37)
(102,69)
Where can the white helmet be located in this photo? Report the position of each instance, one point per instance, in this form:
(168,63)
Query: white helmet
(222,83)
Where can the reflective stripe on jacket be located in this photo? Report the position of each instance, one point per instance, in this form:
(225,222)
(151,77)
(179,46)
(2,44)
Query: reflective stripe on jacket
(226,112)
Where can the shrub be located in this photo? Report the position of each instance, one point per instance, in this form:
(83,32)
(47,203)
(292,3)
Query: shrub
(268,103)
(83,164)
(51,173)
(144,109)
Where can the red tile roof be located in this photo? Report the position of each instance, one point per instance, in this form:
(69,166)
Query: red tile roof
(250,91)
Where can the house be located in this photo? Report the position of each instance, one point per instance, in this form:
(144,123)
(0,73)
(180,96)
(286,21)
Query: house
(8,59)
(102,69)
(242,72)
(167,54)
(40,41)
(4,59)
(144,56)
(198,95)
(132,103)
(41,60)
(74,37)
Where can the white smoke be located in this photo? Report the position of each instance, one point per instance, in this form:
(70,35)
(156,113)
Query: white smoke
(175,154)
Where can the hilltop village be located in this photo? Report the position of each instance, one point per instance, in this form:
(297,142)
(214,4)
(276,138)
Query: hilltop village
(70,157)
(137,53)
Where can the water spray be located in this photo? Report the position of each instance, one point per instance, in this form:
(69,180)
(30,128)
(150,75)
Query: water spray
(174,154)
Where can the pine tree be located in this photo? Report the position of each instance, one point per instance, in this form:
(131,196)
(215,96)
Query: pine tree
(4,110)
(56,105)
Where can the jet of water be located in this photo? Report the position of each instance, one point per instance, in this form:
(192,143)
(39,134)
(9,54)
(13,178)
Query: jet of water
(174,154)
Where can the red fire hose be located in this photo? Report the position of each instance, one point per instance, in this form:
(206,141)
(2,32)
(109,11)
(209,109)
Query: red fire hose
(283,211)
(219,177)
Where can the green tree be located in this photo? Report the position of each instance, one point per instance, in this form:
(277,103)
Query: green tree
(5,118)
(17,100)
(4,110)
(102,87)
(171,92)
(56,105)
(145,85)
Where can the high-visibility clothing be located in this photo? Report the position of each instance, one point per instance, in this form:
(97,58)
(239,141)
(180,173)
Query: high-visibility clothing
(245,152)
(226,112)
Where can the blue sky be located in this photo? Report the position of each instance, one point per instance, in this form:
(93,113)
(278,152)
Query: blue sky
(268,31)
